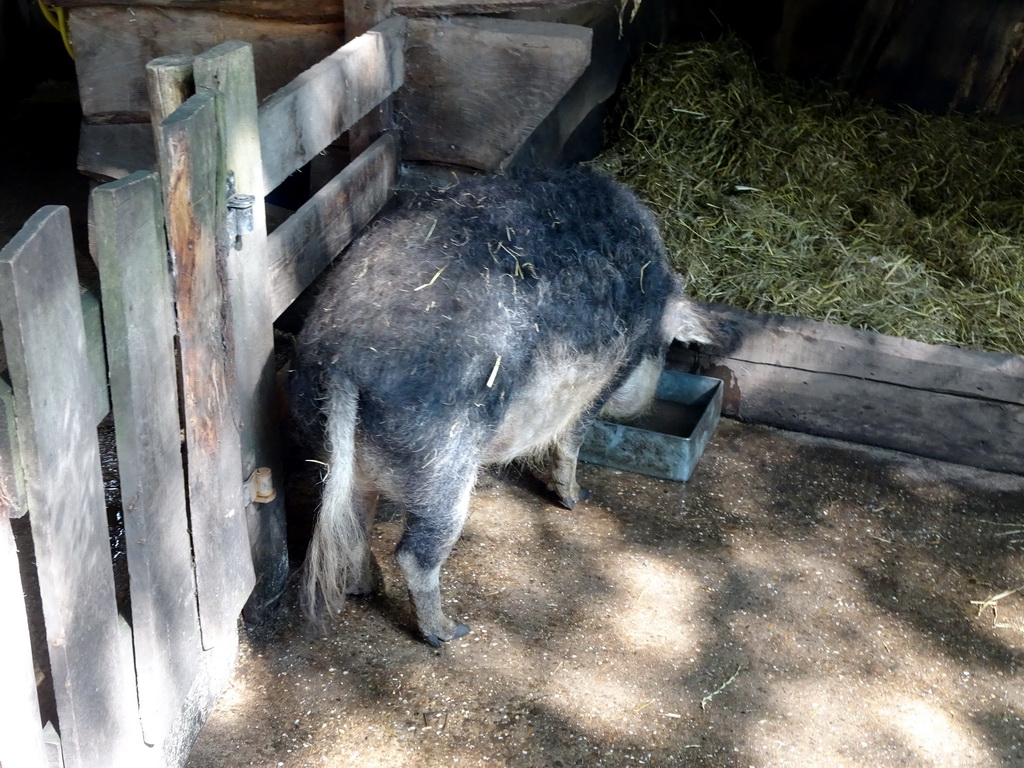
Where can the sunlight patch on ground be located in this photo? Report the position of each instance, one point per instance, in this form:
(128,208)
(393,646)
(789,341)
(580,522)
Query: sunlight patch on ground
(658,606)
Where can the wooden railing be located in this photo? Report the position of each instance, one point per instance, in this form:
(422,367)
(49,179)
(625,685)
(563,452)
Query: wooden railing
(190,284)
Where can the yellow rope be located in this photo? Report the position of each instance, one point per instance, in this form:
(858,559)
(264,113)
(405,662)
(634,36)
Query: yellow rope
(58,18)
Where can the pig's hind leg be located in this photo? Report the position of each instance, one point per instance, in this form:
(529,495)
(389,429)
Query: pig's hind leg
(557,469)
(433,525)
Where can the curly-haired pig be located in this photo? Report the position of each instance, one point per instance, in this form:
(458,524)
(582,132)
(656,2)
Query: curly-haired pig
(489,321)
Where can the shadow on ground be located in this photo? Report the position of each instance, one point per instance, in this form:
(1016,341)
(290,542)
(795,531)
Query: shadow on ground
(798,602)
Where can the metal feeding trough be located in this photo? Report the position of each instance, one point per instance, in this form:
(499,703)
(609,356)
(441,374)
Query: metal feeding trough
(668,440)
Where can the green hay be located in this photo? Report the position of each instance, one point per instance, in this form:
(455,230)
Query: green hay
(779,197)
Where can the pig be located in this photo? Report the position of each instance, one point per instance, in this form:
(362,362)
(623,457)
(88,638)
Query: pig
(489,321)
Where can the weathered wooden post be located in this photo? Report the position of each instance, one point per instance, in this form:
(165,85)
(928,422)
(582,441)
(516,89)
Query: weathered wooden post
(126,236)
(188,149)
(55,404)
(227,72)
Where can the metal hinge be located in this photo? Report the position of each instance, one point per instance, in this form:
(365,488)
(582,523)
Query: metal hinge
(239,217)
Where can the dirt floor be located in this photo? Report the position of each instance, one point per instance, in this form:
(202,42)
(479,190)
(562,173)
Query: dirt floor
(799,602)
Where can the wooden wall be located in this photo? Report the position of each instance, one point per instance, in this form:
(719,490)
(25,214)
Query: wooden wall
(929,400)
(935,56)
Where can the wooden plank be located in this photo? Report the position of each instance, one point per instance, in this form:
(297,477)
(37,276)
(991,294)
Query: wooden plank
(574,130)
(108,152)
(113,44)
(43,330)
(12,480)
(826,348)
(363,15)
(360,17)
(980,433)
(127,239)
(216,666)
(96,355)
(450,7)
(476,88)
(306,11)
(227,72)
(944,403)
(194,205)
(310,239)
(21,737)
(301,119)
(169,83)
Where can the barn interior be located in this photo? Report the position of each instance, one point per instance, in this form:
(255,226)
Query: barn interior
(839,580)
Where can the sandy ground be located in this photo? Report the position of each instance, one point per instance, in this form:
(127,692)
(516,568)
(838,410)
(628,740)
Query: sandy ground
(800,602)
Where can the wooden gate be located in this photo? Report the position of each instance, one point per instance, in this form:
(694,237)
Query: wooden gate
(191,283)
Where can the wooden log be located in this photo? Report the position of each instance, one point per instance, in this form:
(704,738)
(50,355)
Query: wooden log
(301,119)
(315,234)
(227,72)
(305,11)
(194,213)
(21,737)
(476,88)
(940,402)
(127,239)
(44,337)
(113,44)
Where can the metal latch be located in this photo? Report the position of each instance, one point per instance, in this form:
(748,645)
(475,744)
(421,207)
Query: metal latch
(259,487)
(239,217)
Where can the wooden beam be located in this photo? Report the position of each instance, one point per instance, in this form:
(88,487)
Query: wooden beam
(361,16)
(45,342)
(476,88)
(305,116)
(315,234)
(194,212)
(108,152)
(452,7)
(113,44)
(306,11)
(126,235)
(227,71)
(95,352)
(808,345)
(944,403)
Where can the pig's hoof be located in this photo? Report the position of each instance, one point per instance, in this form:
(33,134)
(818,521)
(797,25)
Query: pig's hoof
(461,630)
(569,502)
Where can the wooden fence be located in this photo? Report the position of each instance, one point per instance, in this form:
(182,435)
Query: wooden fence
(191,283)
